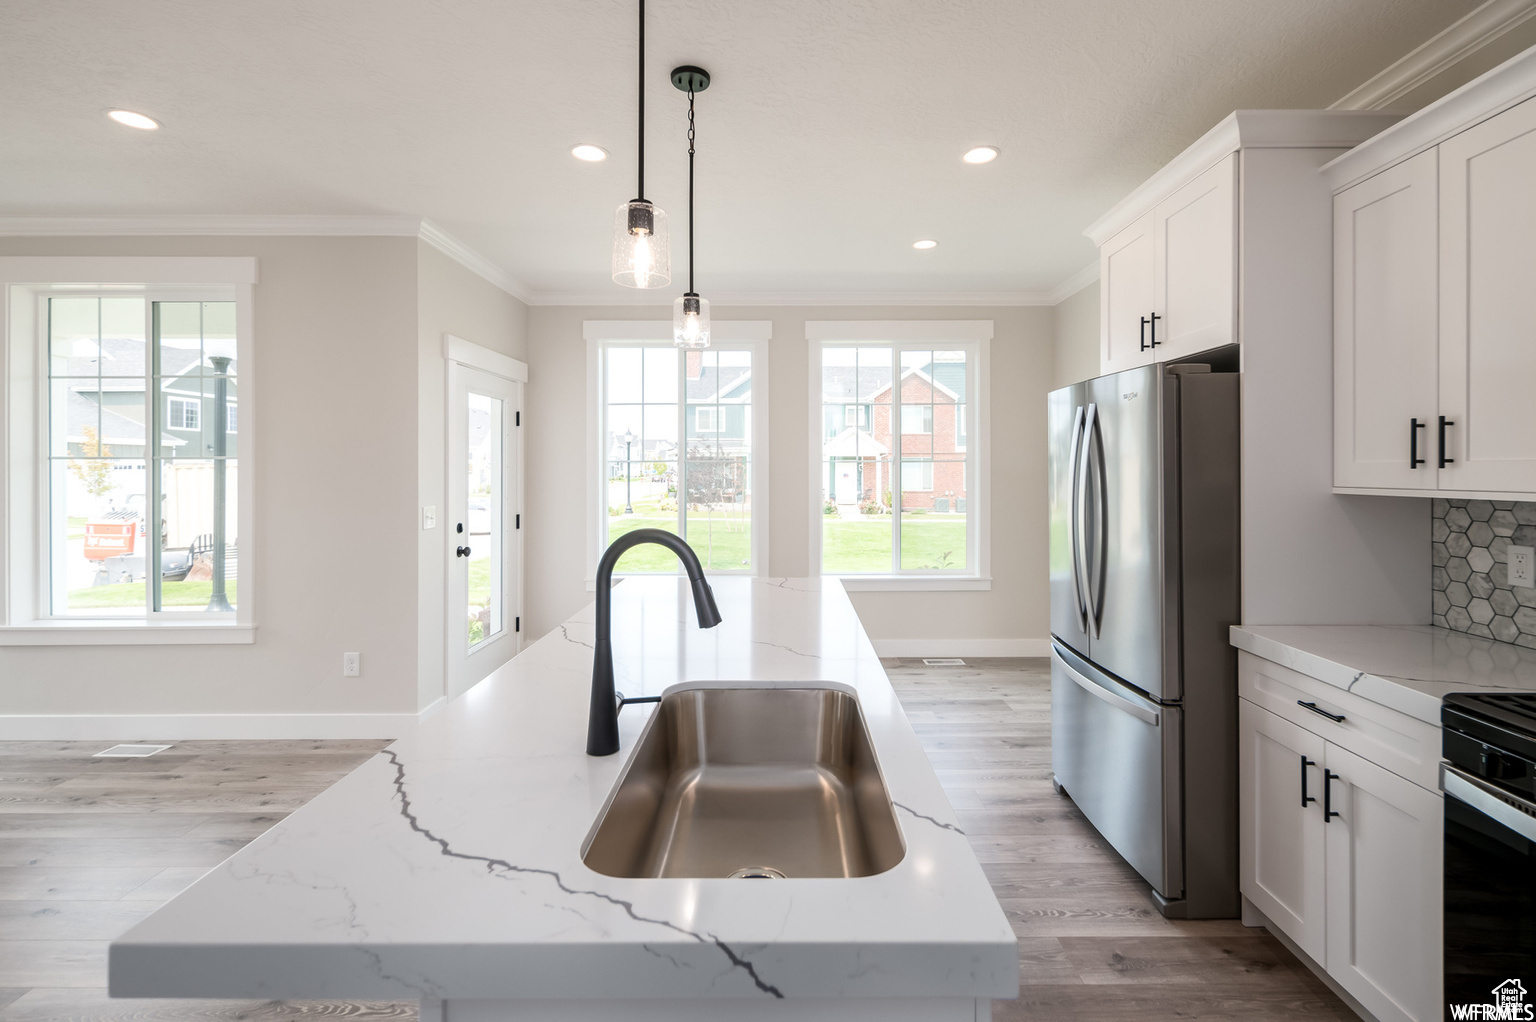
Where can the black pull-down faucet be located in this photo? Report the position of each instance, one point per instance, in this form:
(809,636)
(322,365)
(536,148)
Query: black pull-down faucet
(603,717)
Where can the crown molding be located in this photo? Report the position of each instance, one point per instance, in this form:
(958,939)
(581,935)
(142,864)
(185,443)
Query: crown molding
(1243,129)
(1440,52)
(264,225)
(739,299)
(1512,82)
(1075,283)
(197,225)
(473,261)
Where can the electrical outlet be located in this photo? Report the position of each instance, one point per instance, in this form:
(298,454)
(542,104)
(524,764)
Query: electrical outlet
(1522,567)
(429,517)
(351,665)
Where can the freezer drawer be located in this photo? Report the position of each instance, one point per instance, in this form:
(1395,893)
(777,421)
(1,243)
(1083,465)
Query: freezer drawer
(1117,755)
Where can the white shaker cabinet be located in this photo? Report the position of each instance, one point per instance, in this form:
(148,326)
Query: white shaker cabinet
(1435,297)
(1339,853)
(1384,920)
(1125,297)
(1280,830)
(1194,233)
(1168,281)
(1488,304)
(1386,359)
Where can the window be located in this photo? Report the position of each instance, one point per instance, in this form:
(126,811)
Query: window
(917,418)
(896,501)
(118,393)
(232,420)
(676,446)
(182,413)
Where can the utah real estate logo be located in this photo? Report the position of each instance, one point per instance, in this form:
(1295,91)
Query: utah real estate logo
(1508,1003)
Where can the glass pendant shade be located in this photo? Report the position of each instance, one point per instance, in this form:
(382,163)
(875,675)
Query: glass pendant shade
(690,322)
(641,256)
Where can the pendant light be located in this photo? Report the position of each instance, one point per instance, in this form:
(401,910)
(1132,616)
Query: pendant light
(640,254)
(690,313)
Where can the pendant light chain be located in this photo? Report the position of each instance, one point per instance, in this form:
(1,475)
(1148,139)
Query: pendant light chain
(690,191)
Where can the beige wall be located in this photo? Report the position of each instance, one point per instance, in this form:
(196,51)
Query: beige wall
(335,368)
(450,299)
(1076,337)
(1016,608)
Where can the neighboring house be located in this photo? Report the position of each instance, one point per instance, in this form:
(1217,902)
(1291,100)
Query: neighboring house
(858,436)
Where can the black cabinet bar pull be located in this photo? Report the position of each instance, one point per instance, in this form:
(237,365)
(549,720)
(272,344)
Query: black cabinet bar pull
(1444,461)
(1305,798)
(1328,811)
(1318,709)
(1414,461)
(1143,333)
(1155,318)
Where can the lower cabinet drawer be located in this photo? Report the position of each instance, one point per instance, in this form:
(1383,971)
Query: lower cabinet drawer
(1402,744)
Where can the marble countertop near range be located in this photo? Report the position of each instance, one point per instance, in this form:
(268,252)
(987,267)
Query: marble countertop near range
(449,865)
(1409,668)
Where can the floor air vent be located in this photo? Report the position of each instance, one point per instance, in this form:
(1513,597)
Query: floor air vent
(131,751)
(943,661)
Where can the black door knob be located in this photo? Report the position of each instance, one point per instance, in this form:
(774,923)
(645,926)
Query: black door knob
(463,552)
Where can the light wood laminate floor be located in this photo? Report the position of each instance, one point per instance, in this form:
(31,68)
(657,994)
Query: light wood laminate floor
(90,846)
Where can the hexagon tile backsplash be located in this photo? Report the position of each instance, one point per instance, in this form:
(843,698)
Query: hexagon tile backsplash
(1471,540)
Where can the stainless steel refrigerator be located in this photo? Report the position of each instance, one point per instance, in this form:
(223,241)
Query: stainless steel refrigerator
(1144,584)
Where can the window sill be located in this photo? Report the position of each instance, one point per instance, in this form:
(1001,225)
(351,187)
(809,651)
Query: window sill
(125,633)
(914,583)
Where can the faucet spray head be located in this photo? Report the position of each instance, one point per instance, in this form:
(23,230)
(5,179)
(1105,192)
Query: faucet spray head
(704,603)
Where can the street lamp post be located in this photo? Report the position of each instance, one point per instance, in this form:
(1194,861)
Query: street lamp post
(628,438)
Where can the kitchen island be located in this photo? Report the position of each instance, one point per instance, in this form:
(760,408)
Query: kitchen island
(448,869)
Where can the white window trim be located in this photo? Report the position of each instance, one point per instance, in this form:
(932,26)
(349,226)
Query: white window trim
(972,335)
(25,281)
(928,419)
(196,404)
(742,335)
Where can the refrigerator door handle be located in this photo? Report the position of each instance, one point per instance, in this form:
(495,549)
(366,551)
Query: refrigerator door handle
(1117,701)
(1077,545)
(1093,461)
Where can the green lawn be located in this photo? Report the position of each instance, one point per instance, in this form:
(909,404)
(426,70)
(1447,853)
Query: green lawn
(864,544)
(75,527)
(125,595)
(722,540)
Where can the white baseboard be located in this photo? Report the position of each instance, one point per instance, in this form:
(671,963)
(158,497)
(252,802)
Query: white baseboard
(204,726)
(963,647)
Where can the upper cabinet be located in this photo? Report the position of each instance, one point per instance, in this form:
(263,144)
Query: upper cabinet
(1435,297)
(1168,281)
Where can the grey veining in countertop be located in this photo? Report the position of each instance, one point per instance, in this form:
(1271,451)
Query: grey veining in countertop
(449,866)
(1409,668)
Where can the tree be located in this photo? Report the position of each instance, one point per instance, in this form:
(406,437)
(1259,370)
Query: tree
(94,471)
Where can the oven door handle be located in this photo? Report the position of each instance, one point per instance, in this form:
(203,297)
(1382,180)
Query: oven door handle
(1502,807)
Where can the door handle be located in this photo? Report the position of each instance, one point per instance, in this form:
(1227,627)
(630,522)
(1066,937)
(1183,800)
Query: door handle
(1328,811)
(1305,798)
(1414,461)
(1337,718)
(1096,578)
(1091,596)
(1144,333)
(1444,461)
(463,551)
(1119,702)
(1077,552)
(1155,318)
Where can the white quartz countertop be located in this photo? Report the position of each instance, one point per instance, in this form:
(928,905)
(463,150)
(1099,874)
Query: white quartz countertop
(1409,668)
(449,865)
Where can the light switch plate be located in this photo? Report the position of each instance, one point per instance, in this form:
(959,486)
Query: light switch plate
(429,517)
(1522,567)
(351,665)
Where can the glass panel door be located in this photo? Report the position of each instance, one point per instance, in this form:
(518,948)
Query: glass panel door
(484,486)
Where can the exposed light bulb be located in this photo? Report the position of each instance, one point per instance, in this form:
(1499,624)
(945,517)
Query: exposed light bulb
(690,321)
(642,259)
(640,255)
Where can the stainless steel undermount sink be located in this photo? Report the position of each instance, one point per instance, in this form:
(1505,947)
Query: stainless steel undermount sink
(752,783)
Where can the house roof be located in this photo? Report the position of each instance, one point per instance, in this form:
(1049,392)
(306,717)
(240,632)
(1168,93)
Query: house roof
(125,356)
(853,443)
(719,383)
(850,384)
(82,412)
(929,379)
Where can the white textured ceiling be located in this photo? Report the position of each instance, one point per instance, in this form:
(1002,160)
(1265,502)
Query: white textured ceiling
(829,141)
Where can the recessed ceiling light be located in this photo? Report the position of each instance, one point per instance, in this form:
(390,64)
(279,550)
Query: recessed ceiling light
(589,153)
(981,154)
(925,243)
(133,120)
